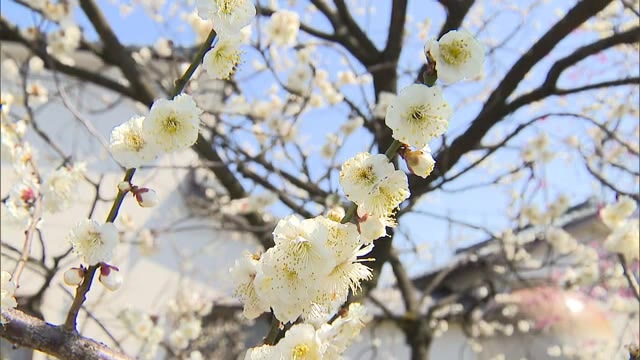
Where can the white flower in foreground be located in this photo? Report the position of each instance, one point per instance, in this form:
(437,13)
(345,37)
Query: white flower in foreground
(59,187)
(287,293)
(173,124)
(360,173)
(221,60)
(228,16)
(418,114)
(458,55)
(420,162)
(7,291)
(110,277)
(243,273)
(283,28)
(128,145)
(625,240)
(302,246)
(300,342)
(614,215)
(387,195)
(93,242)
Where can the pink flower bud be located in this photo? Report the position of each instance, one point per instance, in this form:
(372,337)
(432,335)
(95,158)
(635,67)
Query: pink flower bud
(110,277)
(420,162)
(74,276)
(146,197)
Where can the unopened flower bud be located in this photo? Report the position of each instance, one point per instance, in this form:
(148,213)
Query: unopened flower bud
(420,162)
(336,213)
(74,276)
(124,186)
(146,197)
(110,277)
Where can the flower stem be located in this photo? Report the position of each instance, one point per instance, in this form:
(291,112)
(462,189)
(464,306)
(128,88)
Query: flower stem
(82,290)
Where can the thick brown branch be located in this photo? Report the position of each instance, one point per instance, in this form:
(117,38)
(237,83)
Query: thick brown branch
(25,330)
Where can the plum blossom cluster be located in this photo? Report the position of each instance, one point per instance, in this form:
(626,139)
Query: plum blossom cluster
(622,222)
(304,341)
(308,273)
(315,262)
(228,18)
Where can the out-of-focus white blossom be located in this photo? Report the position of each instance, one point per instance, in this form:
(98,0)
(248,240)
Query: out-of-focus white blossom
(93,242)
(614,215)
(418,114)
(58,189)
(283,28)
(458,55)
(625,240)
(299,80)
(162,46)
(561,241)
(384,100)
(173,124)
(62,42)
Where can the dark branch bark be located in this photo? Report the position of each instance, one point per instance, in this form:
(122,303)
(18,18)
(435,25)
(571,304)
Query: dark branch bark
(25,330)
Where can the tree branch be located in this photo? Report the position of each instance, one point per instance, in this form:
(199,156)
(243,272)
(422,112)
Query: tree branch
(25,330)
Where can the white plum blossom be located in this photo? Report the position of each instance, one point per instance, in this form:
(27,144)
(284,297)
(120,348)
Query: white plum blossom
(561,241)
(62,42)
(243,274)
(387,195)
(302,246)
(299,80)
(371,227)
(418,114)
(228,16)
(300,342)
(420,162)
(338,335)
(20,204)
(625,240)
(221,61)
(614,215)
(7,292)
(129,146)
(458,55)
(59,187)
(283,28)
(361,172)
(173,124)
(93,242)
(37,93)
(384,99)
